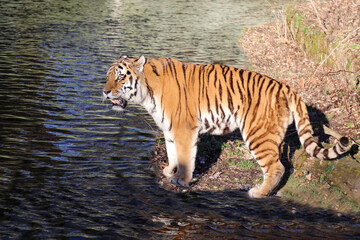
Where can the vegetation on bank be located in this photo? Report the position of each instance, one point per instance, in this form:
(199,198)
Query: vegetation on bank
(328,31)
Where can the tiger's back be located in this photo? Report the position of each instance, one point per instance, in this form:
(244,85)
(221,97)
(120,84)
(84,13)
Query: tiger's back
(188,99)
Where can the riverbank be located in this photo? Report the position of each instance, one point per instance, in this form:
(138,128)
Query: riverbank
(315,48)
(273,49)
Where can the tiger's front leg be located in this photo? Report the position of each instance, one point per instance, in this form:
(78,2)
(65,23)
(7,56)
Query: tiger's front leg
(171,154)
(185,142)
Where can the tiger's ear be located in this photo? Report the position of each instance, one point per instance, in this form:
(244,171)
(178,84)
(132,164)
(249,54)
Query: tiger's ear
(139,63)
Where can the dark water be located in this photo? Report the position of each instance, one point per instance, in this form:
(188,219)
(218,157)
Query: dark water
(71,168)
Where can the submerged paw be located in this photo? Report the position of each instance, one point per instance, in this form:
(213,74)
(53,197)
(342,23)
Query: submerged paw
(178,180)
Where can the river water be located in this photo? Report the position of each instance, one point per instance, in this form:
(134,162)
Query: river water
(71,168)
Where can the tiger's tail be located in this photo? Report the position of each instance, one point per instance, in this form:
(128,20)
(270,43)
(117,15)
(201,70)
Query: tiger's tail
(305,131)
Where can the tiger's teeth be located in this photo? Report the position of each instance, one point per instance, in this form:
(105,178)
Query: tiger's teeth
(116,102)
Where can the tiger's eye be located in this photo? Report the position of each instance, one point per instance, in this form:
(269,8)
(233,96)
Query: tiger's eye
(128,72)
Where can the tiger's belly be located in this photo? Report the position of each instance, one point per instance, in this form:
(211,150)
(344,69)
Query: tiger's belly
(217,125)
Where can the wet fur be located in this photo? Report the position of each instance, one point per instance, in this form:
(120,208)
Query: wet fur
(188,99)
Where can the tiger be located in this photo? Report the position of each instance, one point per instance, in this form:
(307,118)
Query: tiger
(188,99)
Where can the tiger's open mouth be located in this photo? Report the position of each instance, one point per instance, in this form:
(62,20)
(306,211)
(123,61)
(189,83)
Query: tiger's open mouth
(119,102)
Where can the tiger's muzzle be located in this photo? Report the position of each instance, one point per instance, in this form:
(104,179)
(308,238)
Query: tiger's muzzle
(119,102)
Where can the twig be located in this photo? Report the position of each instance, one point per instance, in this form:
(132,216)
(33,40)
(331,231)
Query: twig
(331,53)
(320,20)
(337,72)
(331,132)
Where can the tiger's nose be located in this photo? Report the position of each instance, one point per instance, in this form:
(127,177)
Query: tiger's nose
(107,92)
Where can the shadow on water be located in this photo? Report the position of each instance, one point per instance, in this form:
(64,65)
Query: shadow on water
(234,216)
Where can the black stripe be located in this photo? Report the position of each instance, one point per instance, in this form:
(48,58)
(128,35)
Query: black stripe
(248,100)
(308,141)
(225,70)
(269,163)
(304,120)
(172,68)
(257,145)
(230,102)
(258,101)
(184,71)
(288,88)
(240,90)
(208,101)
(200,83)
(278,94)
(168,66)
(252,132)
(222,112)
(203,77)
(342,148)
(326,153)
(187,106)
(216,105)
(263,81)
(211,130)
(220,91)
(316,151)
(253,82)
(226,131)
(154,70)
(271,90)
(206,122)
(212,117)
(215,79)
(241,72)
(170,127)
(199,94)
(231,82)
(304,131)
(248,89)
(210,71)
(263,151)
(150,90)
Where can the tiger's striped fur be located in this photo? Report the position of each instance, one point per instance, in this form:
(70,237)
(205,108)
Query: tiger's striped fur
(188,99)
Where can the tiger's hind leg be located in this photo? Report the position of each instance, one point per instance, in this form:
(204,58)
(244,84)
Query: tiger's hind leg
(267,155)
(273,173)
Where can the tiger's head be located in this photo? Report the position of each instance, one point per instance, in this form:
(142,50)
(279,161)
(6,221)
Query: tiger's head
(122,81)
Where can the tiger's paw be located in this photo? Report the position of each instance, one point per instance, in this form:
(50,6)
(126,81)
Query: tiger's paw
(168,172)
(179,180)
(256,192)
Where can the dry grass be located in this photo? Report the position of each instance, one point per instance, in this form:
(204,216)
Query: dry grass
(329,31)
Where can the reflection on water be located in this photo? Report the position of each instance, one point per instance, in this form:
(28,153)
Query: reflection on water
(70,168)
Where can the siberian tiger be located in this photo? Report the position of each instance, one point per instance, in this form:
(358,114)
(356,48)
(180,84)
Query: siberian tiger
(187,99)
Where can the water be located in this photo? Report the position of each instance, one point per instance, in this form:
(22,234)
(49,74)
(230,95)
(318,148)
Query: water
(71,168)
